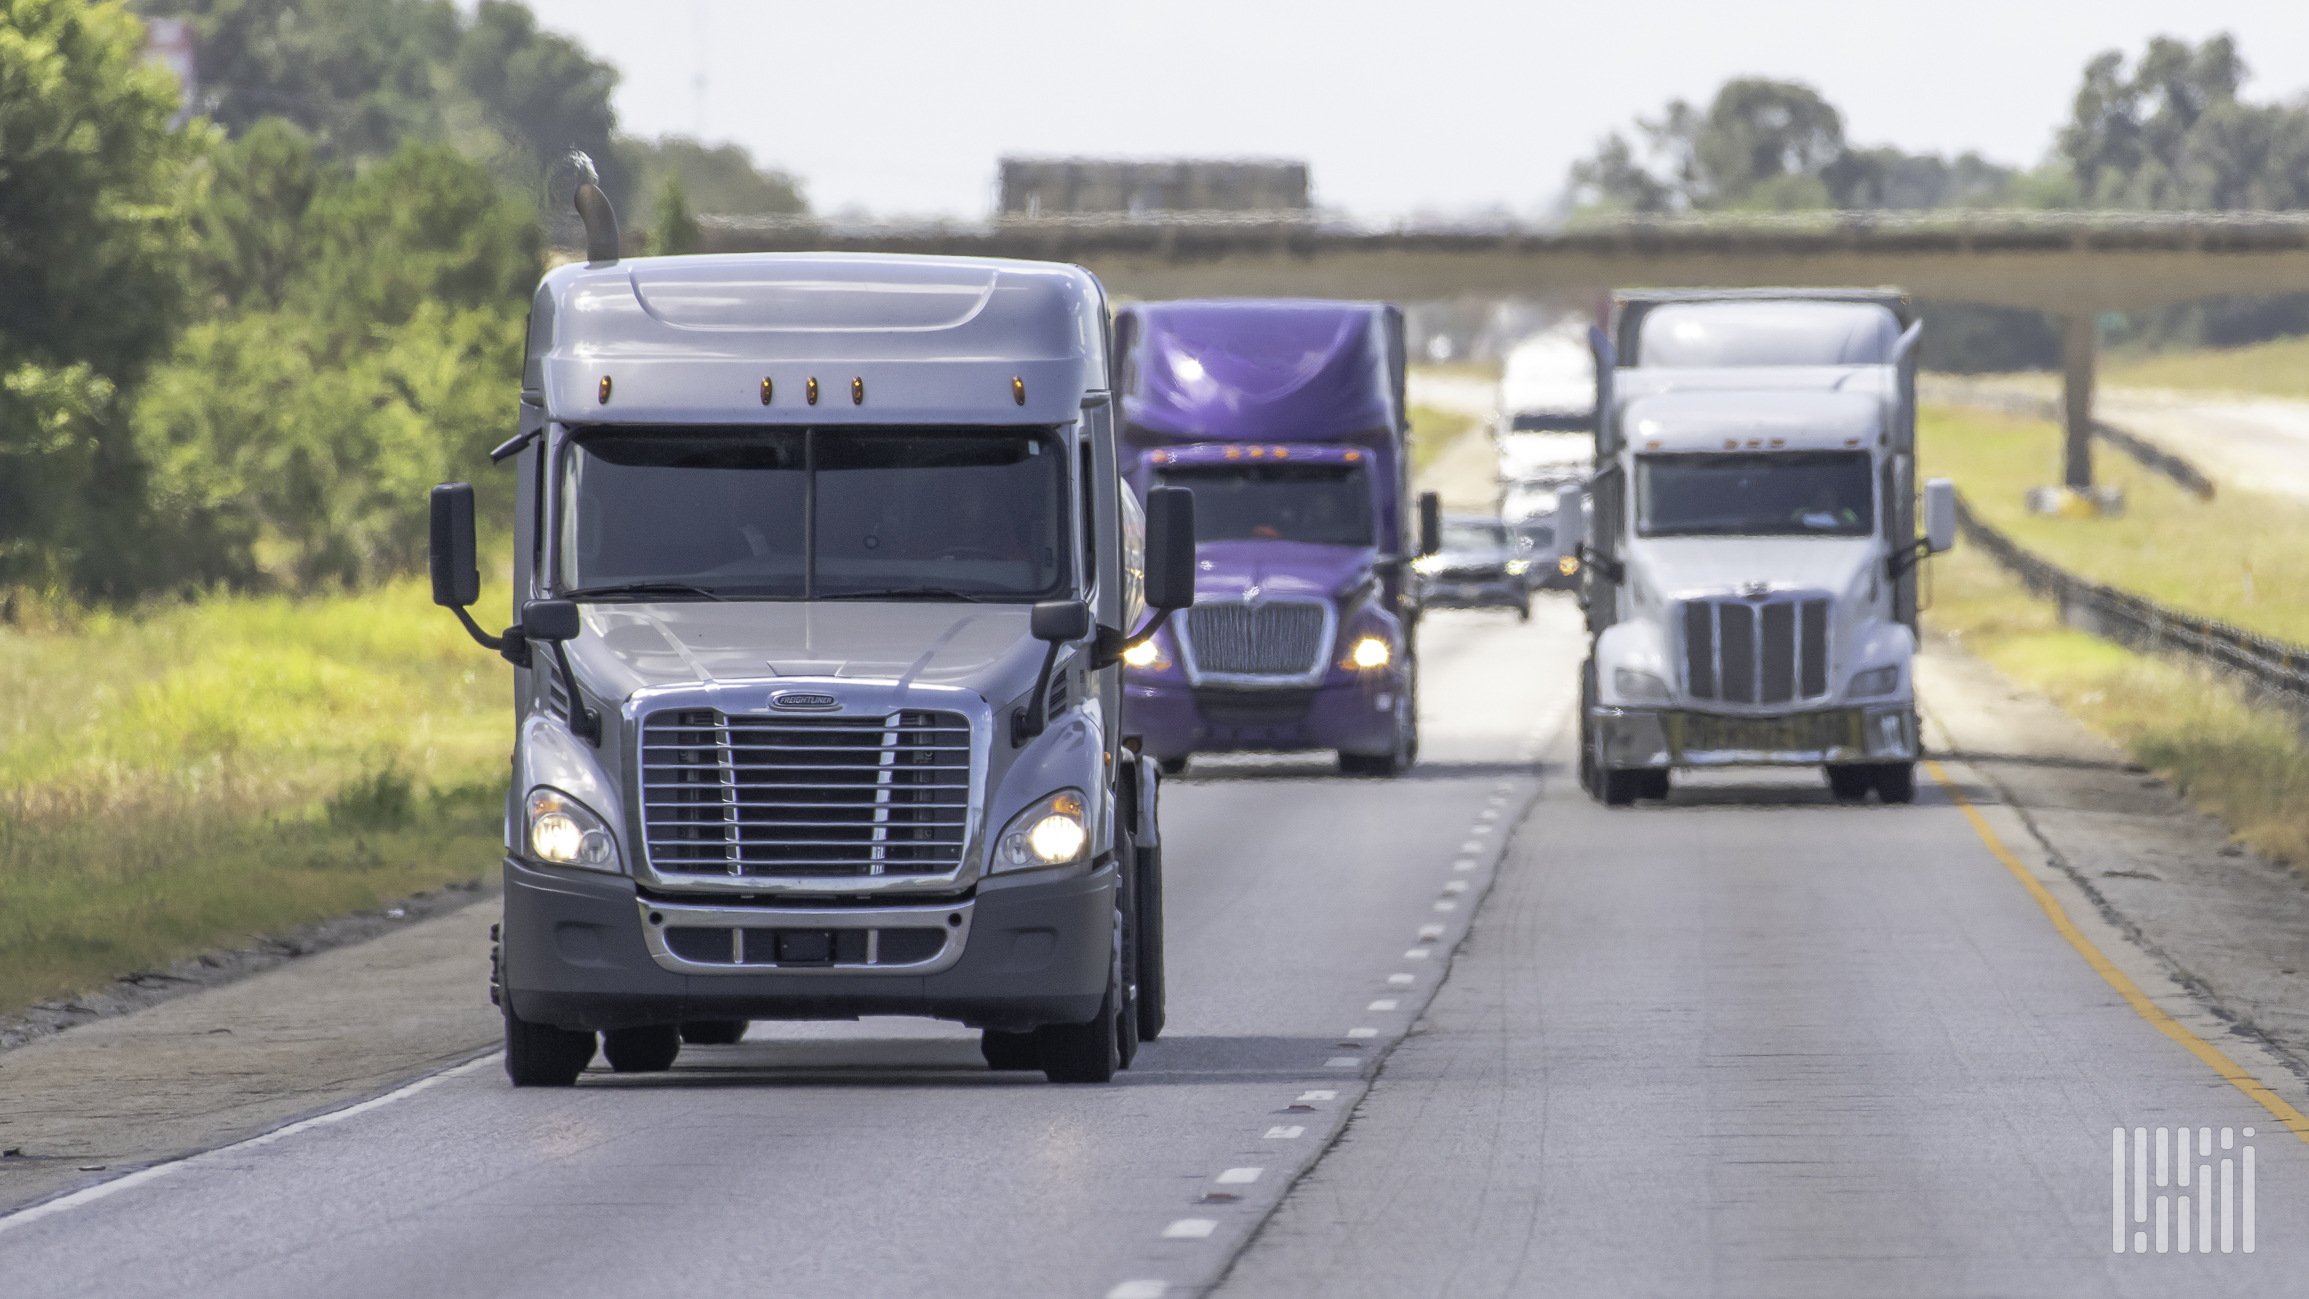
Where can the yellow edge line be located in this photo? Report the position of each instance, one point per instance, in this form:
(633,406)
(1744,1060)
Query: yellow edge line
(2293,1119)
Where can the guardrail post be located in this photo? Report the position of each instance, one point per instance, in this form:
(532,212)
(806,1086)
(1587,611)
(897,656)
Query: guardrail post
(2077,345)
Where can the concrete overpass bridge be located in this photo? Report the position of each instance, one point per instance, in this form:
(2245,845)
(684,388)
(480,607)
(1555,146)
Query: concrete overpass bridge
(2072,264)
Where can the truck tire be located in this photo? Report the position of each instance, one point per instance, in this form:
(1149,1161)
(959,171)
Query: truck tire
(1620,788)
(650,1048)
(1008,1051)
(1654,783)
(1896,782)
(1126,941)
(544,1055)
(714,1032)
(1397,760)
(1171,766)
(1152,995)
(1590,773)
(1851,783)
(1084,1053)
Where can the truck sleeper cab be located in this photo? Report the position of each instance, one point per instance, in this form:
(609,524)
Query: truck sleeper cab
(1286,419)
(1750,561)
(816,631)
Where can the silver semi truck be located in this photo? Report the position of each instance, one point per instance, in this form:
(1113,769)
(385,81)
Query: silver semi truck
(1750,543)
(822,572)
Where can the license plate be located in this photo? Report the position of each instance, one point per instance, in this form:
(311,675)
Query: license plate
(1470,592)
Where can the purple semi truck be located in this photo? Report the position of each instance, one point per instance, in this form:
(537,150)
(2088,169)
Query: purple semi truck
(1287,420)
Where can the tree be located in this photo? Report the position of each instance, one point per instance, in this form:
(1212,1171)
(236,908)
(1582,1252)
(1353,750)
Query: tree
(91,182)
(676,231)
(721,179)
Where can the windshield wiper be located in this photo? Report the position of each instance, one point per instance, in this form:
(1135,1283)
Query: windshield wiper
(639,588)
(904,593)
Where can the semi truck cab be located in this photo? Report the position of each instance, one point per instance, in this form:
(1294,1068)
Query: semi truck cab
(823,570)
(1749,561)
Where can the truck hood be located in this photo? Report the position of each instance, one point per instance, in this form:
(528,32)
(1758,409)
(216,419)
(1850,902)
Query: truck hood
(1677,568)
(1230,570)
(986,647)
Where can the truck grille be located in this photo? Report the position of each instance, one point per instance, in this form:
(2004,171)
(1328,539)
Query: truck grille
(1745,652)
(1280,638)
(815,796)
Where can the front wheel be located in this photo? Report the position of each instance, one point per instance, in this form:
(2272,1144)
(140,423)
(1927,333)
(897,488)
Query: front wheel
(544,1055)
(1007,1051)
(650,1048)
(713,1032)
(1896,782)
(1151,973)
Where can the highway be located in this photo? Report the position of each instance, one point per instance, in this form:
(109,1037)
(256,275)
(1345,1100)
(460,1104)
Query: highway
(1749,1042)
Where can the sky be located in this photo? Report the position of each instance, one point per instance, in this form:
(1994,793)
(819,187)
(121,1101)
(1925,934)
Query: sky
(1438,108)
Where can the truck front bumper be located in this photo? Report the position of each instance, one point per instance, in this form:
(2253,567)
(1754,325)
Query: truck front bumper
(1356,716)
(582,950)
(1642,737)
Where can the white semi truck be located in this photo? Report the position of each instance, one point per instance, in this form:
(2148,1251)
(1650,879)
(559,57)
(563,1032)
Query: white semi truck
(1749,549)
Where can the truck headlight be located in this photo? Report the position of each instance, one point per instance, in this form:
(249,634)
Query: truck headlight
(1631,684)
(1427,564)
(1371,652)
(1875,681)
(1518,567)
(564,832)
(1146,654)
(1052,832)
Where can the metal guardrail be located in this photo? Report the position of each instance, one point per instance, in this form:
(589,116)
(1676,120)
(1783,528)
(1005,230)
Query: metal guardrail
(2278,667)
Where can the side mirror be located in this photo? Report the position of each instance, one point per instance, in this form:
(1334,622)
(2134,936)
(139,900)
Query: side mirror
(1060,620)
(1570,523)
(554,620)
(1430,523)
(1170,548)
(455,562)
(1939,515)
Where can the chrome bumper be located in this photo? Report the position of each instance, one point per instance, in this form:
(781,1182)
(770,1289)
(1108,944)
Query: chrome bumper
(752,936)
(1637,737)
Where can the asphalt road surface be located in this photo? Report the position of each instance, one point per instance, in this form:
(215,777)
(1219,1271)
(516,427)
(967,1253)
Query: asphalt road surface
(1746,1043)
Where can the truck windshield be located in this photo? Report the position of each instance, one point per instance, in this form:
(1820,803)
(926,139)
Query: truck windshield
(1777,494)
(1325,504)
(787,513)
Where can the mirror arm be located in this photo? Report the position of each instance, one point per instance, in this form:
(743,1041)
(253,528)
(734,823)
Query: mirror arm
(1034,719)
(512,645)
(1908,557)
(1612,570)
(584,723)
(1112,643)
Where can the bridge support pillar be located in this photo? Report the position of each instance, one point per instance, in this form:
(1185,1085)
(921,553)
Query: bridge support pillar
(2077,345)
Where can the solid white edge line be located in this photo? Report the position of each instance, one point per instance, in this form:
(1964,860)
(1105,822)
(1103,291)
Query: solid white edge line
(91,1194)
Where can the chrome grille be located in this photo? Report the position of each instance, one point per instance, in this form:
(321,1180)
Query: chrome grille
(1748,652)
(805,796)
(1279,638)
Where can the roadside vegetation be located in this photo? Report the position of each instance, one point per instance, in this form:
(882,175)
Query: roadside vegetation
(189,776)
(1433,430)
(2243,763)
(2277,368)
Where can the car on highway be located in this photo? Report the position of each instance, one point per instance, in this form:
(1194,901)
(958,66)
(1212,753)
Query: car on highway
(824,570)
(1483,564)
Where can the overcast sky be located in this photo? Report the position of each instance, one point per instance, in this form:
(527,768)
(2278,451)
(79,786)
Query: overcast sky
(1436,107)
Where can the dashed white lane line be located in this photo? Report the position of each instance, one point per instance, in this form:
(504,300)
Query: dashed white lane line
(1362,1032)
(1471,845)
(1464,864)
(1401,979)
(1240,1176)
(1143,1288)
(1417,954)
(1309,1098)
(1191,1229)
(1455,886)
(1384,1003)
(1446,906)
(1285,1132)
(1342,1062)
(1429,933)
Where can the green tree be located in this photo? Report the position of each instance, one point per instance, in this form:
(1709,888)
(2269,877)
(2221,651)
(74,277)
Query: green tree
(722,179)
(676,231)
(91,184)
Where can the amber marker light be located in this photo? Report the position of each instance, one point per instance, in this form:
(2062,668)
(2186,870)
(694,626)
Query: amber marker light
(604,391)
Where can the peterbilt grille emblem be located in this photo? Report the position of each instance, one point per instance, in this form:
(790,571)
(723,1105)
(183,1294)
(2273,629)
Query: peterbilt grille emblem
(801,699)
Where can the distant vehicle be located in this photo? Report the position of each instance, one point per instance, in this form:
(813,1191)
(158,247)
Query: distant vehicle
(1287,421)
(1547,405)
(818,711)
(1482,564)
(1750,551)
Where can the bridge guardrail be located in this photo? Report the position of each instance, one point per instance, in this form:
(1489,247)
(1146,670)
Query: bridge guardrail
(2277,667)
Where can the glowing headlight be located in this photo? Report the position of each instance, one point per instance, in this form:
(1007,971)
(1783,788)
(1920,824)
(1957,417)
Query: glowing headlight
(1567,565)
(1518,567)
(1427,564)
(1631,684)
(1371,652)
(1049,833)
(563,832)
(1875,681)
(1145,654)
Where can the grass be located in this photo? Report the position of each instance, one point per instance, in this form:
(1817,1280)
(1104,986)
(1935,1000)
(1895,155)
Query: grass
(2246,765)
(1433,430)
(189,776)
(2278,368)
